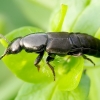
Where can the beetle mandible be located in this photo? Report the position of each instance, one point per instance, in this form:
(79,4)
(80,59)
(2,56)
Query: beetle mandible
(55,43)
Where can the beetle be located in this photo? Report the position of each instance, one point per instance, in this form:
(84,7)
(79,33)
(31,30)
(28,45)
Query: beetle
(55,43)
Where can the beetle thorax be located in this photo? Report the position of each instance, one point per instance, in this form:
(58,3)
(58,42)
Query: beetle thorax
(33,42)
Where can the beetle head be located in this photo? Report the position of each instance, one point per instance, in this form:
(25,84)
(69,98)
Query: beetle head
(13,48)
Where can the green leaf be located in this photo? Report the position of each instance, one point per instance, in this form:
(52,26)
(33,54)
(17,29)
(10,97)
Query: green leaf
(88,21)
(72,75)
(94,75)
(50,91)
(58,19)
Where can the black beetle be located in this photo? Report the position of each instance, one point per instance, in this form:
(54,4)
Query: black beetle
(55,43)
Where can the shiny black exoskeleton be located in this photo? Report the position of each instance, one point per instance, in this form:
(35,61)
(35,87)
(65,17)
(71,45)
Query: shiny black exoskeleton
(55,43)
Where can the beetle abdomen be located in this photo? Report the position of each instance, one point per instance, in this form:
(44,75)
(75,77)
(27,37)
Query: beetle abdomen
(85,44)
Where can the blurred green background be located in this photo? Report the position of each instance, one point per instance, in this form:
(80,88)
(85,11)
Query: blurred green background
(82,16)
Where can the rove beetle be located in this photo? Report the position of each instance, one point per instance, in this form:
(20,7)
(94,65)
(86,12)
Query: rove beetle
(55,43)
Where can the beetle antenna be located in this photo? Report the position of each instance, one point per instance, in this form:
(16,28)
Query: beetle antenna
(1,36)
(3,54)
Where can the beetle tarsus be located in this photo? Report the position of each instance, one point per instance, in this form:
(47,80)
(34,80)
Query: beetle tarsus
(38,59)
(88,59)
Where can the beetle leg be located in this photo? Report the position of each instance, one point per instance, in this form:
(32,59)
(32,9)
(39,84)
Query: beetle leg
(51,58)
(38,59)
(80,54)
(88,59)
